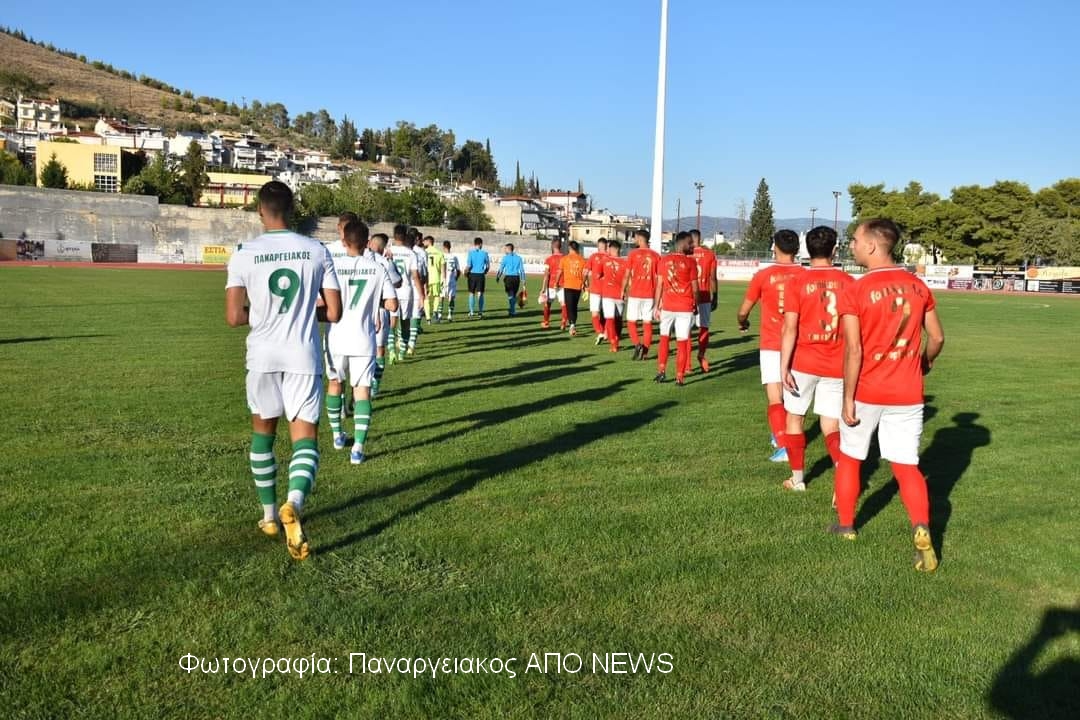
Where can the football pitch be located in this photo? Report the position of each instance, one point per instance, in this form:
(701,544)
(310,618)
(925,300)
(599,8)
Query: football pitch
(525,494)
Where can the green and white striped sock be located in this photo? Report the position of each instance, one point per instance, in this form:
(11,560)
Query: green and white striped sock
(264,471)
(302,470)
(333,411)
(414,327)
(363,422)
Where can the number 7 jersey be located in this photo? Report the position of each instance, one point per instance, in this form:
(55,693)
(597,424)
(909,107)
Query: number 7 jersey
(283,273)
(890,304)
(365,284)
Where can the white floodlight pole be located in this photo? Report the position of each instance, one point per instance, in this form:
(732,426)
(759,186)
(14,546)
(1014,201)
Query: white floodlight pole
(657,220)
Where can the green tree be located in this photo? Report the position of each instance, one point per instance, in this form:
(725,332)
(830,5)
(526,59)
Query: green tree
(762,225)
(467,213)
(344,146)
(421,206)
(161,178)
(54,174)
(519,182)
(325,129)
(193,178)
(13,171)
(989,219)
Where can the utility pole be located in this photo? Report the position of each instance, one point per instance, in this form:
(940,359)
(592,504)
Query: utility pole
(657,223)
(836,213)
(813,212)
(700,186)
(678,215)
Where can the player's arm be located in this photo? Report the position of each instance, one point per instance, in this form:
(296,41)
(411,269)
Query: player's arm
(852,365)
(330,292)
(787,350)
(743,316)
(236,309)
(558,279)
(935,339)
(417,285)
(714,288)
(657,294)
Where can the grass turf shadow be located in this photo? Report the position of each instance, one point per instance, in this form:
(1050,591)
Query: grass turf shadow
(1019,693)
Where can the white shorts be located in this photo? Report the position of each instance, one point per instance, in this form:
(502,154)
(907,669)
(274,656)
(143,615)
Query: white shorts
(704,315)
(551,296)
(450,290)
(595,302)
(770,366)
(383,335)
(359,371)
(613,307)
(297,397)
(680,321)
(639,309)
(405,307)
(417,307)
(899,432)
(827,394)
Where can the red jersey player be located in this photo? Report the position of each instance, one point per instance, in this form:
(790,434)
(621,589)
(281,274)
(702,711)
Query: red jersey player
(548,291)
(641,289)
(883,315)
(612,285)
(811,353)
(768,286)
(593,274)
(706,298)
(676,296)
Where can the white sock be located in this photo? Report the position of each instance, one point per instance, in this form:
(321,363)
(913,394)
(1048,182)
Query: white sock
(296,497)
(798,476)
(269,512)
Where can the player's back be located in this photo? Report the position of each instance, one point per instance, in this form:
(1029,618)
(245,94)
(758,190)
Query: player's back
(815,295)
(337,250)
(676,277)
(436,263)
(362,281)
(404,260)
(572,267)
(643,266)
(282,273)
(614,274)
(891,304)
(421,261)
(453,267)
(706,267)
(552,264)
(770,286)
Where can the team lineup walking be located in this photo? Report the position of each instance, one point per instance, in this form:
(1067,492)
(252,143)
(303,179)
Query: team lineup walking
(850,348)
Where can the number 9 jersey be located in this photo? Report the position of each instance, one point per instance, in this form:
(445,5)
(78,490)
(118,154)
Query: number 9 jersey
(283,273)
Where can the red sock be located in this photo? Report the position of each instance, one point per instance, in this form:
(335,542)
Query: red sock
(635,338)
(702,342)
(832,443)
(913,492)
(777,422)
(564,314)
(547,313)
(847,489)
(648,334)
(682,358)
(596,326)
(612,333)
(665,351)
(796,450)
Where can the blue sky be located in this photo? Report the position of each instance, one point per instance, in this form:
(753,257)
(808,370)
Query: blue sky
(810,95)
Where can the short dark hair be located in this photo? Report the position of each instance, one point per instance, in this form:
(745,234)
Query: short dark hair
(446,244)
(380,236)
(574,246)
(786,241)
(276,199)
(614,244)
(511,246)
(643,234)
(356,234)
(429,237)
(821,242)
(413,236)
(400,231)
(682,236)
(478,241)
(884,230)
(347,217)
(695,233)
(602,240)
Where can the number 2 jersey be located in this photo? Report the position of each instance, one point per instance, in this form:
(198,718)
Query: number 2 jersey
(815,295)
(890,304)
(283,273)
(365,284)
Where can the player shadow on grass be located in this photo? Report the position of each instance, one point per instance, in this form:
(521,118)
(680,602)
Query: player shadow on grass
(43,338)
(514,381)
(508,343)
(512,370)
(1019,693)
(470,473)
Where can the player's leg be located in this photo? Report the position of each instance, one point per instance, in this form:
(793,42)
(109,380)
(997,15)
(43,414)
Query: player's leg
(775,413)
(545,305)
(667,326)
(363,371)
(302,395)
(683,324)
(572,298)
(828,404)
(381,336)
(796,406)
(481,288)
(595,305)
(854,446)
(647,321)
(704,319)
(899,435)
(564,314)
(335,410)
(633,311)
(610,331)
(471,280)
(265,404)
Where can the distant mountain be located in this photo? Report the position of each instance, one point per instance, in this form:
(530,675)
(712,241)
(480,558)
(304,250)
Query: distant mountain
(710,225)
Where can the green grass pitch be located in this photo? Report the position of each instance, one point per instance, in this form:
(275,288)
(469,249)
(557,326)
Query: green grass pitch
(525,493)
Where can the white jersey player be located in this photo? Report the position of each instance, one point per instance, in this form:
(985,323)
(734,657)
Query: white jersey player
(366,289)
(274,285)
(337,250)
(451,273)
(408,266)
(389,321)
